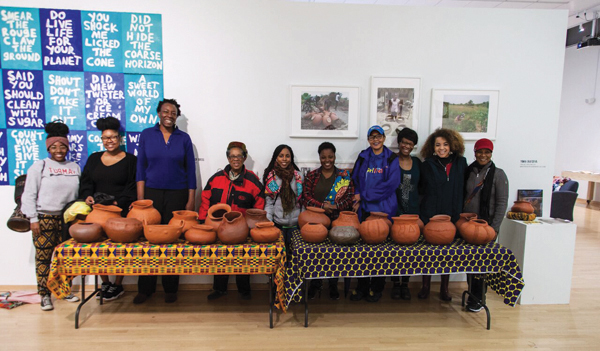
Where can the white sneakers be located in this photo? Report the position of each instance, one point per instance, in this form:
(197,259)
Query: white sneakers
(71,298)
(46,303)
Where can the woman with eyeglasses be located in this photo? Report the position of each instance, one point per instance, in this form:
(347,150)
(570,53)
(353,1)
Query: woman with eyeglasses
(110,172)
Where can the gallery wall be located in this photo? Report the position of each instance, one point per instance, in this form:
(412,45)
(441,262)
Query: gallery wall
(231,63)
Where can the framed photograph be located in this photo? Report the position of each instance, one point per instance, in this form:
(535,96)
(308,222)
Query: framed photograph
(394,105)
(472,113)
(324,112)
(534,196)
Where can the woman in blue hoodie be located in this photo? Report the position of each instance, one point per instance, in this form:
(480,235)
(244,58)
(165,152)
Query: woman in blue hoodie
(376,177)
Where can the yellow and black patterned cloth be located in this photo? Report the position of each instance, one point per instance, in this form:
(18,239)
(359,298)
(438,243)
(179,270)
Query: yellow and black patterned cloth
(328,260)
(182,258)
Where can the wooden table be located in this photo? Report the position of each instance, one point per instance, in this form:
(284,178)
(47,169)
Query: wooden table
(591,178)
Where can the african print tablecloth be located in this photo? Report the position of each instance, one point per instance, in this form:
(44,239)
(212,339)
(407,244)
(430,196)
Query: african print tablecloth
(182,258)
(328,260)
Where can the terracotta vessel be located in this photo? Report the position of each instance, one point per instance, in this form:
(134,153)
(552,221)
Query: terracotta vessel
(439,230)
(421,225)
(464,217)
(344,235)
(124,230)
(313,215)
(234,229)
(189,218)
(265,232)
(201,234)
(142,210)
(86,232)
(162,233)
(214,217)
(254,215)
(522,206)
(346,218)
(374,231)
(101,213)
(478,232)
(380,215)
(314,233)
(405,230)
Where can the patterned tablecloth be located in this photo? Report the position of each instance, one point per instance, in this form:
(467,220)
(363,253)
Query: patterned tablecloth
(182,258)
(328,260)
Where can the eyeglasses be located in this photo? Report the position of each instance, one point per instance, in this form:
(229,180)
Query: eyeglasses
(235,157)
(112,138)
(376,137)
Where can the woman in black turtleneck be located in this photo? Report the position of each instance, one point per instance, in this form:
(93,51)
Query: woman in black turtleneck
(442,186)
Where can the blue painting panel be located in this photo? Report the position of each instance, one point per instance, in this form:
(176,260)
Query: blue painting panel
(142,43)
(78,147)
(61,40)
(3,158)
(102,41)
(21,44)
(143,92)
(25,147)
(2,114)
(23,98)
(65,98)
(133,142)
(104,97)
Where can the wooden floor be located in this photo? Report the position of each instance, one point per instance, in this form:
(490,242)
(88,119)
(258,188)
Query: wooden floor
(231,324)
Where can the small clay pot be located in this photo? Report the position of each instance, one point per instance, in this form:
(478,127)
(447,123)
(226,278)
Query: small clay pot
(346,218)
(313,215)
(478,232)
(234,229)
(380,215)
(314,233)
(189,218)
(344,235)
(265,232)
(374,231)
(405,230)
(255,215)
(439,230)
(215,214)
(124,230)
(143,211)
(522,206)
(464,217)
(201,234)
(86,232)
(162,233)
(101,213)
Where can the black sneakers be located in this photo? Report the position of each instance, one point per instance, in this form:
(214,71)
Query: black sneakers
(114,292)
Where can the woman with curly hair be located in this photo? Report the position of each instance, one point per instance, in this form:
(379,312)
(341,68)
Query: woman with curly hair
(443,179)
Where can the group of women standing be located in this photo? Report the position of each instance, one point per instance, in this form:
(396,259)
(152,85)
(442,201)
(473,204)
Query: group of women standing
(164,172)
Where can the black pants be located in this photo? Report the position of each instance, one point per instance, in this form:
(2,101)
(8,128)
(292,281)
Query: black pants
(404,279)
(165,201)
(375,284)
(476,284)
(319,282)
(242,281)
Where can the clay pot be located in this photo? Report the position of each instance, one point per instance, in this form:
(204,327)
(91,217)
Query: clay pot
(142,210)
(421,225)
(313,215)
(190,218)
(344,235)
(124,230)
(163,233)
(314,233)
(380,215)
(201,234)
(265,232)
(333,116)
(346,218)
(254,216)
(234,229)
(214,218)
(439,230)
(522,206)
(405,230)
(464,217)
(101,213)
(86,232)
(477,232)
(316,119)
(374,231)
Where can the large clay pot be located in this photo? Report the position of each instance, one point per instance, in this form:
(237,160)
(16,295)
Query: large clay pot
(124,230)
(313,215)
(346,218)
(201,234)
(214,217)
(344,235)
(374,231)
(254,215)
(189,218)
(234,229)
(380,215)
(478,232)
(143,211)
(405,230)
(86,232)
(314,233)
(101,213)
(464,217)
(522,206)
(162,233)
(265,232)
(439,230)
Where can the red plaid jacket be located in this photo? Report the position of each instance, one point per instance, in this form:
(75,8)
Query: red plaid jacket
(343,198)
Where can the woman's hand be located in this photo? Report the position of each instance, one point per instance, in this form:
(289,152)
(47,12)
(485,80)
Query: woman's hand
(356,204)
(89,201)
(35,228)
(329,207)
(189,206)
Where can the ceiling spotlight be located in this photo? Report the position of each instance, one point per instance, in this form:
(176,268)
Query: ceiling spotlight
(581,29)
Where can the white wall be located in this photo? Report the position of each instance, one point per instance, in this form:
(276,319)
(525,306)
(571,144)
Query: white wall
(230,64)
(579,123)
